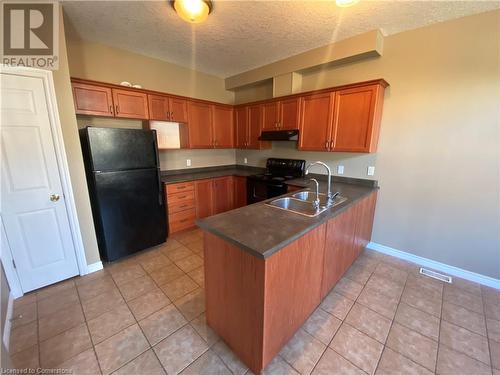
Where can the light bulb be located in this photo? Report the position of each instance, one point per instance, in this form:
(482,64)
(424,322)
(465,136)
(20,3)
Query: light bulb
(192,11)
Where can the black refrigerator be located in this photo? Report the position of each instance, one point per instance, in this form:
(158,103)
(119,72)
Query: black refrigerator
(126,192)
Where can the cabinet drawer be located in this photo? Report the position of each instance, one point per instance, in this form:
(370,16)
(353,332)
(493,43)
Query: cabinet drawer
(180,197)
(182,220)
(180,206)
(181,187)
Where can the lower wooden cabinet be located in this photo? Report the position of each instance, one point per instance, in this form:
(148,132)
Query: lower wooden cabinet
(239,191)
(188,201)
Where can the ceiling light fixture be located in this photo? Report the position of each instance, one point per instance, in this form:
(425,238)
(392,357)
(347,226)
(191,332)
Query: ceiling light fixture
(192,11)
(346,3)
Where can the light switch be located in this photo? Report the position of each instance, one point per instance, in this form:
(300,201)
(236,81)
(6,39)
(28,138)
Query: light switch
(371,171)
(340,169)
(188,162)
(245,160)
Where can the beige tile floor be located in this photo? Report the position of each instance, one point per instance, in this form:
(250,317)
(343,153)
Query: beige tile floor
(145,315)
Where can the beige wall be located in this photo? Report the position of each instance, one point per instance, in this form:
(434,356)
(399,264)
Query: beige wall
(169,159)
(103,63)
(73,151)
(438,161)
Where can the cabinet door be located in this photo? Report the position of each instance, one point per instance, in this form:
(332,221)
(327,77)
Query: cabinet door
(241,126)
(223,129)
(204,198)
(92,100)
(178,109)
(158,107)
(240,191)
(289,114)
(200,125)
(339,251)
(270,116)
(130,104)
(254,126)
(354,118)
(316,122)
(222,194)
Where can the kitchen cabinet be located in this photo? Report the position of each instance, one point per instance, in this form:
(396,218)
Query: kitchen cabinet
(200,125)
(239,191)
(222,126)
(130,104)
(241,126)
(281,115)
(204,198)
(254,126)
(316,122)
(180,200)
(270,116)
(165,108)
(92,100)
(365,214)
(356,121)
(222,194)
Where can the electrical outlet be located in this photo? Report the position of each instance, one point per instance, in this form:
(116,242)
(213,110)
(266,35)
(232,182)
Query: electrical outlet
(340,169)
(188,162)
(245,160)
(371,171)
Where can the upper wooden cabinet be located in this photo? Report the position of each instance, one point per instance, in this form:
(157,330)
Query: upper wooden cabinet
(92,100)
(130,104)
(166,108)
(200,125)
(356,121)
(241,126)
(270,116)
(316,122)
(344,120)
(222,126)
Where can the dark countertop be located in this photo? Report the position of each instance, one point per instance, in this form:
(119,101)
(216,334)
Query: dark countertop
(262,230)
(185,175)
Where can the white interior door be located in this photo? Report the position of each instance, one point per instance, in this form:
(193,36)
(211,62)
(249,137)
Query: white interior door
(33,207)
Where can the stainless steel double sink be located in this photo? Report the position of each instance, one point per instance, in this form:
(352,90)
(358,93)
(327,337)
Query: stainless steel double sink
(302,203)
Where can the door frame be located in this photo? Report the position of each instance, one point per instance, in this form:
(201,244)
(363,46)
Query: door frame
(63,169)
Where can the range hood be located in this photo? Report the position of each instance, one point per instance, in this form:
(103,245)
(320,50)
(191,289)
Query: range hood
(280,135)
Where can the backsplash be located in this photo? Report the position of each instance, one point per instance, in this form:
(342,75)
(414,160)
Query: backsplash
(355,165)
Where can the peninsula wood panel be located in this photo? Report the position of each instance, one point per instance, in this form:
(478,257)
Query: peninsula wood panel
(92,100)
(130,104)
(292,289)
(234,289)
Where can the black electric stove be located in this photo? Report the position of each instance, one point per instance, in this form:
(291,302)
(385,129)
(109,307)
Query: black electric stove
(273,182)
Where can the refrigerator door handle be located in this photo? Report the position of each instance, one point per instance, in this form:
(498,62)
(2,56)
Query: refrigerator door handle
(160,188)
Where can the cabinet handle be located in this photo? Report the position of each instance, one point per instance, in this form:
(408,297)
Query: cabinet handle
(171,115)
(117,109)
(326,144)
(183,220)
(331,144)
(110,109)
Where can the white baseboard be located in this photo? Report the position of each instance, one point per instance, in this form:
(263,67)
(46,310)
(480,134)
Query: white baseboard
(438,266)
(7,324)
(94,267)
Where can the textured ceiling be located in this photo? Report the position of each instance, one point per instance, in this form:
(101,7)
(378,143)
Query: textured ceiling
(242,35)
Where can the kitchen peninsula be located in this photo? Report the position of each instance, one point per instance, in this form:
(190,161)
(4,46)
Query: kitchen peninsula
(267,269)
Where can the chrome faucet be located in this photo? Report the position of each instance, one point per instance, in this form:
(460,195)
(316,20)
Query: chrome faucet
(330,196)
(315,202)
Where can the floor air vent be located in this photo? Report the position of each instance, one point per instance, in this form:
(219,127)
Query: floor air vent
(435,275)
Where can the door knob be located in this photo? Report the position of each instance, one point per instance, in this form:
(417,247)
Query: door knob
(54,197)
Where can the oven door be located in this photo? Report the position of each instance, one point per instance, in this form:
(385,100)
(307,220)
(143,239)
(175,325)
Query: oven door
(258,191)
